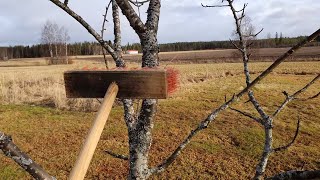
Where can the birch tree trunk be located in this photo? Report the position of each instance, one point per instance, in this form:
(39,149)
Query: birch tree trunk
(66,53)
(50,50)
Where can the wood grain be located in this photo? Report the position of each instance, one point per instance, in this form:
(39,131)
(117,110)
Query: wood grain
(134,84)
(83,161)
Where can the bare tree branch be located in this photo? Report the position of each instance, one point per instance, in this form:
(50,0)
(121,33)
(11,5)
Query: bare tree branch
(117,33)
(66,2)
(153,15)
(210,6)
(211,117)
(87,26)
(12,151)
(284,57)
(296,175)
(243,9)
(253,35)
(294,138)
(306,86)
(236,46)
(138,3)
(309,98)
(119,156)
(258,120)
(133,18)
(257,106)
(292,97)
(102,32)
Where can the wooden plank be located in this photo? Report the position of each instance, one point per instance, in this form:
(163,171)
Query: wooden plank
(135,84)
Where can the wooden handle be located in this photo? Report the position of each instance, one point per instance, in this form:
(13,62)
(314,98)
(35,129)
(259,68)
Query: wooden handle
(79,170)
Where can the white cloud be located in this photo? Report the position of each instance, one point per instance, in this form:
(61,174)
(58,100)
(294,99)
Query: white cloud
(183,20)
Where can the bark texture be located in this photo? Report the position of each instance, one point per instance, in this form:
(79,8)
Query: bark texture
(117,34)
(296,175)
(140,129)
(13,152)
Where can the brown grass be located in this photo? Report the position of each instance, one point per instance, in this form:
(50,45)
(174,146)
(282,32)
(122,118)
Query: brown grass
(220,56)
(228,149)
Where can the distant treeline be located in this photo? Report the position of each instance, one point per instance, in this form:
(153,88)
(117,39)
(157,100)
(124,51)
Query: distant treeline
(42,50)
(260,43)
(93,48)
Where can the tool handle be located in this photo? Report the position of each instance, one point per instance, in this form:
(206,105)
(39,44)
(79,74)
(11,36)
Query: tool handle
(80,169)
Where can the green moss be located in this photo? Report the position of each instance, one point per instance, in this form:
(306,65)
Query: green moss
(206,146)
(251,142)
(11,173)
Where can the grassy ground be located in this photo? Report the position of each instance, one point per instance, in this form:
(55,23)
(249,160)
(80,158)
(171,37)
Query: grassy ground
(229,149)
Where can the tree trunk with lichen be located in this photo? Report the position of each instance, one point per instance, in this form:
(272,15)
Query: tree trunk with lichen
(150,49)
(140,129)
(140,133)
(140,139)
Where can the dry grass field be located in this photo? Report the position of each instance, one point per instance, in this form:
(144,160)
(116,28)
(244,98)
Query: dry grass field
(51,128)
(222,55)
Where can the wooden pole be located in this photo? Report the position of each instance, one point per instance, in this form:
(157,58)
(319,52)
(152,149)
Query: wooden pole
(87,151)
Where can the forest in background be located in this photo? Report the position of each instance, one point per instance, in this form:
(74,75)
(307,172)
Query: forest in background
(93,48)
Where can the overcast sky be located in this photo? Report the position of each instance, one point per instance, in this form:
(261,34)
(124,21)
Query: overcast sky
(181,20)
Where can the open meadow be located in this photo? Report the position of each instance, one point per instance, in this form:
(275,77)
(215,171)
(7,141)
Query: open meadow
(221,56)
(51,128)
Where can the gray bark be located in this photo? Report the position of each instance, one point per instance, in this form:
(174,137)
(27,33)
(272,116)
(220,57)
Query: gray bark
(139,130)
(133,18)
(266,120)
(117,34)
(296,175)
(13,152)
(150,49)
(267,150)
(140,139)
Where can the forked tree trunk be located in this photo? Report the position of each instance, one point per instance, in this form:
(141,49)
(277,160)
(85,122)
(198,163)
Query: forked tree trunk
(140,134)
(140,129)
(140,139)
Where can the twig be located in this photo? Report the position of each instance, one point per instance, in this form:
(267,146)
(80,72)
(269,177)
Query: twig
(87,26)
(211,117)
(132,17)
(210,6)
(292,97)
(119,156)
(138,3)
(66,2)
(248,115)
(309,98)
(253,35)
(102,32)
(236,46)
(294,138)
